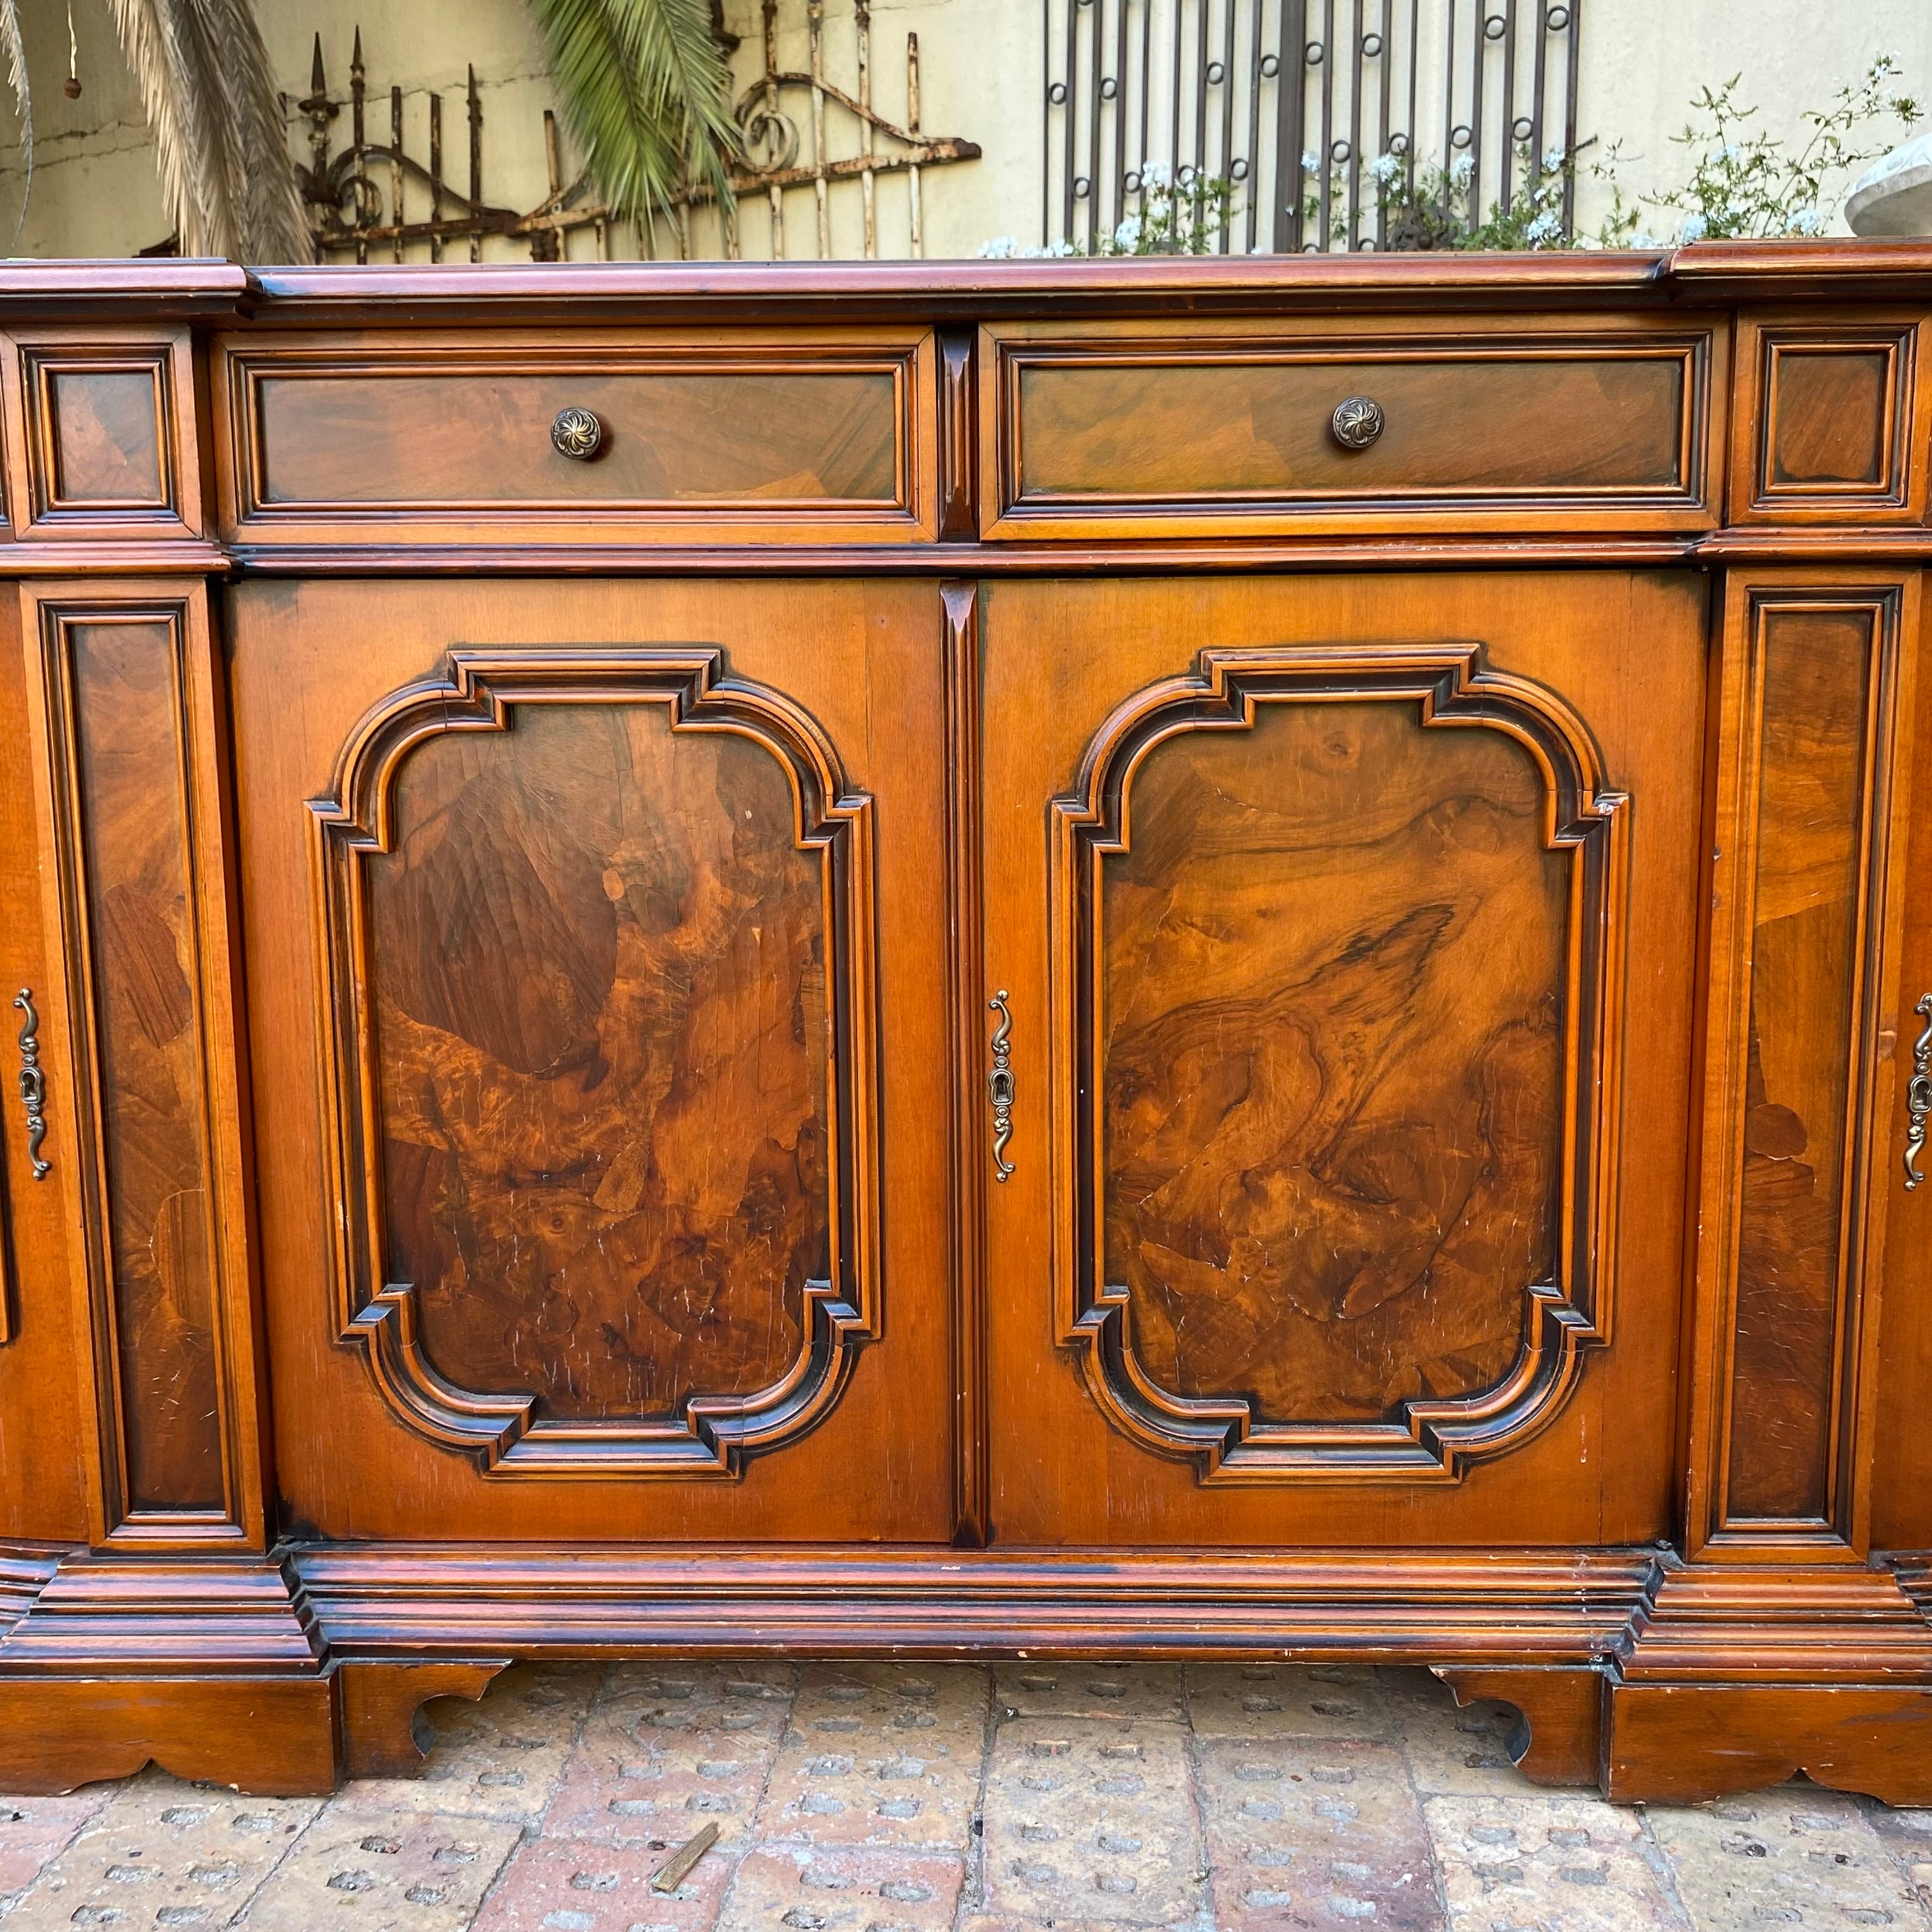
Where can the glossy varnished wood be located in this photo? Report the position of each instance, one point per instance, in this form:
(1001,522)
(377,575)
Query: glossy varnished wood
(808,436)
(872,1451)
(105,441)
(1135,431)
(612,1208)
(127,724)
(1067,659)
(1451,901)
(1831,420)
(1809,798)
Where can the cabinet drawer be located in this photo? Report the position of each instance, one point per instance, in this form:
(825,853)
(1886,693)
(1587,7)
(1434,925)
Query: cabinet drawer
(1602,427)
(800,439)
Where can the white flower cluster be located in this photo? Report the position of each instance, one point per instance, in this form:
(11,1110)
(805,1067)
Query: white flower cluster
(1005,248)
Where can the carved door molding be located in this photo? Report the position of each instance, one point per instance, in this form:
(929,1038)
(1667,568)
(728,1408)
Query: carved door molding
(707,1435)
(1565,1313)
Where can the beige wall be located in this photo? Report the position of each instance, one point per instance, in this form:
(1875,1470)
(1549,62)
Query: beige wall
(95,191)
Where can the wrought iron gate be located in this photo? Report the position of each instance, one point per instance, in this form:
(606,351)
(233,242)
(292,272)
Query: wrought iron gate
(1294,103)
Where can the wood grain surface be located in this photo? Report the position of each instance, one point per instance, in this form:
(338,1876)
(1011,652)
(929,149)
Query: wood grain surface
(700,1136)
(670,437)
(1336,962)
(1805,961)
(599,956)
(138,876)
(1334,1060)
(106,441)
(1477,426)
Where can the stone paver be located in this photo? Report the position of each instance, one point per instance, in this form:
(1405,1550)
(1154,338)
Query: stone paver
(1094,1818)
(879,1754)
(912,1797)
(1545,1864)
(1315,1833)
(34,1830)
(1089,1689)
(664,1751)
(163,1853)
(379,1870)
(1273,1700)
(583,1884)
(787,1888)
(1797,1856)
(501,1758)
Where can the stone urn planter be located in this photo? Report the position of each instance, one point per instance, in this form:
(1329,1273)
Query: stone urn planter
(1894,195)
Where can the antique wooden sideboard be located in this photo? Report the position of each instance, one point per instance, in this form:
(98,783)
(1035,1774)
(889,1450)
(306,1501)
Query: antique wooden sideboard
(1161,958)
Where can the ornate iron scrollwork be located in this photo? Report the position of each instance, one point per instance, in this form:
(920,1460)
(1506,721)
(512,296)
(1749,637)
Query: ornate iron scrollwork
(1919,1094)
(33,1081)
(1000,1086)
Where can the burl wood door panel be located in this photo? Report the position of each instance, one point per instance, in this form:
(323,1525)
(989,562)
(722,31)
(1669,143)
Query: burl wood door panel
(1347,929)
(572,1205)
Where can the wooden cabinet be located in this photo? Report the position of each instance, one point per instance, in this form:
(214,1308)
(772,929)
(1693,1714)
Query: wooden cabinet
(1207,958)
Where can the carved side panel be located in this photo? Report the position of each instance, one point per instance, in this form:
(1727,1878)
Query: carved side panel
(1813,674)
(597,930)
(139,1039)
(1340,1022)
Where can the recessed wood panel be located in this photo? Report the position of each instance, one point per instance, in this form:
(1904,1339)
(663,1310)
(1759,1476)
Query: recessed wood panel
(670,438)
(1334,988)
(599,959)
(106,446)
(1455,426)
(1829,423)
(1342,926)
(1220,434)
(449,438)
(595,929)
(1832,419)
(106,441)
(133,897)
(1815,697)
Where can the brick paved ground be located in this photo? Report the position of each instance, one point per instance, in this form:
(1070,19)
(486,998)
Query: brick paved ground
(912,1797)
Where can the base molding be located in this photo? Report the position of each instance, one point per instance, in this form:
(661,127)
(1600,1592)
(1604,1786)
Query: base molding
(1682,1743)
(1629,1669)
(273,1737)
(1558,1738)
(212,1668)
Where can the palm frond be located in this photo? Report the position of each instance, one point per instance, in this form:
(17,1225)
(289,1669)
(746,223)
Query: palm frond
(226,176)
(645,93)
(15,45)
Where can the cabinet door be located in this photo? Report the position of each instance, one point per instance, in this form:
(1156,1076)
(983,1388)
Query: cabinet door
(1341,935)
(578,919)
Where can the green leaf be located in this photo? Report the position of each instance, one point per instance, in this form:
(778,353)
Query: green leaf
(644,90)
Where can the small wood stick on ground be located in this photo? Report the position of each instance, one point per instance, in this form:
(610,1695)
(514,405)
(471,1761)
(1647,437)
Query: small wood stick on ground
(673,1871)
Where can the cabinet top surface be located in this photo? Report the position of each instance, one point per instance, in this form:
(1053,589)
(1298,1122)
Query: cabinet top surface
(217,292)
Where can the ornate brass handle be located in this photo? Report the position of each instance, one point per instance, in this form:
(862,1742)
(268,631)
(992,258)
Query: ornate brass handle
(1356,422)
(1000,1086)
(33,1081)
(1918,1095)
(577,434)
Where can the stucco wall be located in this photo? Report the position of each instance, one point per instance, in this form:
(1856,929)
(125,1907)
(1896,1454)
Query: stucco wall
(95,191)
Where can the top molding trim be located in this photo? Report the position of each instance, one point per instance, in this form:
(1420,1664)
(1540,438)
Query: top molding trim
(602,292)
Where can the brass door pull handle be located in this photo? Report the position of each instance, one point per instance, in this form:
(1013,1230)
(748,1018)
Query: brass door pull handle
(33,1082)
(1000,1085)
(577,434)
(1918,1095)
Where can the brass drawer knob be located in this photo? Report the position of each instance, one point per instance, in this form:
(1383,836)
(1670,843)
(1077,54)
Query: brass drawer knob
(1356,422)
(577,434)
